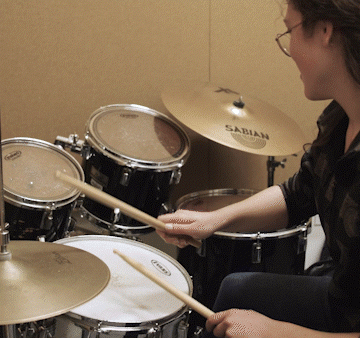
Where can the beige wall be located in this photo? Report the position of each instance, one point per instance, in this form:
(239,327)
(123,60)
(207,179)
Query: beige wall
(61,60)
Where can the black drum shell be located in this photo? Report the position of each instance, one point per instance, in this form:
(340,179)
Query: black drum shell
(146,190)
(33,224)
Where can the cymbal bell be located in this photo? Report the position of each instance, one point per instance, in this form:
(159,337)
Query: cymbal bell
(43,280)
(231,118)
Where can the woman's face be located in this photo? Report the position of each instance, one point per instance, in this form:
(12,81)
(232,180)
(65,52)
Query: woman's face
(310,57)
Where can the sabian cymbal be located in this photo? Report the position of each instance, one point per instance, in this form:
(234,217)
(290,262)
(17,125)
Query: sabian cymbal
(43,280)
(248,124)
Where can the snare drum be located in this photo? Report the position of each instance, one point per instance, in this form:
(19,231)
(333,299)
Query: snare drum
(37,205)
(131,304)
(223,253)
(135,154)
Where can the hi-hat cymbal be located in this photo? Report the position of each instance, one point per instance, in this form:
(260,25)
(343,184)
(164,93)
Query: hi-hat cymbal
(43,280)
(250,125)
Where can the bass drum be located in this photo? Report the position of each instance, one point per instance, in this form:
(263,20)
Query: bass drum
(135,154)
(131,305)
(227,252)
(37,204)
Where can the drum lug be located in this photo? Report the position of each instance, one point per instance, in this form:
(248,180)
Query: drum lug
(256,251)
(85,152)
(175,177)
(125,178)
(183,329)
(202,250)
(47,221)
(154,332)
(199,332)
(117,215)
(302,243)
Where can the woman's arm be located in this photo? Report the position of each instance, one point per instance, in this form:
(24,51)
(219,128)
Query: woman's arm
(264,211)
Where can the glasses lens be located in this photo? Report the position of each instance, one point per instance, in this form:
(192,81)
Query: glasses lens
(285,43)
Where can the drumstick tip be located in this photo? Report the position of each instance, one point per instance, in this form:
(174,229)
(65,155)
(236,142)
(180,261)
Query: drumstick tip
(115,251)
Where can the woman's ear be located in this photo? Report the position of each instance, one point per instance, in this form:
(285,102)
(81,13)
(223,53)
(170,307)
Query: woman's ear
(327,31)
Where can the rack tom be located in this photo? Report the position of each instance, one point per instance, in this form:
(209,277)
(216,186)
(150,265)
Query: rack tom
(37,205)
(135,154)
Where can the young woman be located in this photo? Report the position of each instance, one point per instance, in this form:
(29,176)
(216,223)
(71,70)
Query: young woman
(324,42)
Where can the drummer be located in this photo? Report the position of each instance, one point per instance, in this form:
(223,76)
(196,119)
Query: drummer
(325,45)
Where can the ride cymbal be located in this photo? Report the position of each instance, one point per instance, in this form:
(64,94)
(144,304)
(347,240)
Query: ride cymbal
(43,280)
(233,119)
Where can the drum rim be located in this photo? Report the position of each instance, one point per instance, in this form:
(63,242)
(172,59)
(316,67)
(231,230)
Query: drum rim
(90,217)
(160,321)
(278,234)
(100,325)
(121,159)
(33,203)
(213,192)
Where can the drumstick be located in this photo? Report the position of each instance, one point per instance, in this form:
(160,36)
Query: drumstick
(115,203)
(191,302)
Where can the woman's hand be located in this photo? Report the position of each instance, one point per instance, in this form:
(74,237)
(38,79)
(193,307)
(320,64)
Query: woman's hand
(243,323)
(184,224)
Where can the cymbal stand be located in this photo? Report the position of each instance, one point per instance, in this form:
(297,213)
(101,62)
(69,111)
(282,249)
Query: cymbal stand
(271,165)
(7,331)
(4,234)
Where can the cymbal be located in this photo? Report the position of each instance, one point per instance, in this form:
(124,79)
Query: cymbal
(250,125)
(43,280)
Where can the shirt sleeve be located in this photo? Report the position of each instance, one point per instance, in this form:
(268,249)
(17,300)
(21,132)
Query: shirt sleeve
(299,193)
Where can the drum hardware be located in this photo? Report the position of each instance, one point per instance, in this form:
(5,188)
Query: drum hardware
(302,243)
(271,166)
(47,218)
(256,250)
(154,332)
(4,233)
(72,142)
(201,251)
(198,332)
(41,329)
(175,177)
(125,178)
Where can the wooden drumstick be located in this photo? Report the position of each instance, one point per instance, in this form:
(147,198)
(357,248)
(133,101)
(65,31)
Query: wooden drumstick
(112,202)
(188,300)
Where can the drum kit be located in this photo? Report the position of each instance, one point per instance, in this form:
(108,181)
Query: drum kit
(59,275)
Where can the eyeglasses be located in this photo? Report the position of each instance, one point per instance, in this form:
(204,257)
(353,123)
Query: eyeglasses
(283,40)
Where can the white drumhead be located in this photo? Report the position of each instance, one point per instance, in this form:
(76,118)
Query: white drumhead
(131,297)
(29,168)
(137,133)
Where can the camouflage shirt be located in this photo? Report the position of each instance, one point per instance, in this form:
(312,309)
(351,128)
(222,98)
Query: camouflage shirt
(328,184)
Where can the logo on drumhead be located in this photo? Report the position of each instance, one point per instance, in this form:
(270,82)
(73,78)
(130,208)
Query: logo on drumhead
(161,267)
(13,155)
(129,115)
(247,137)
